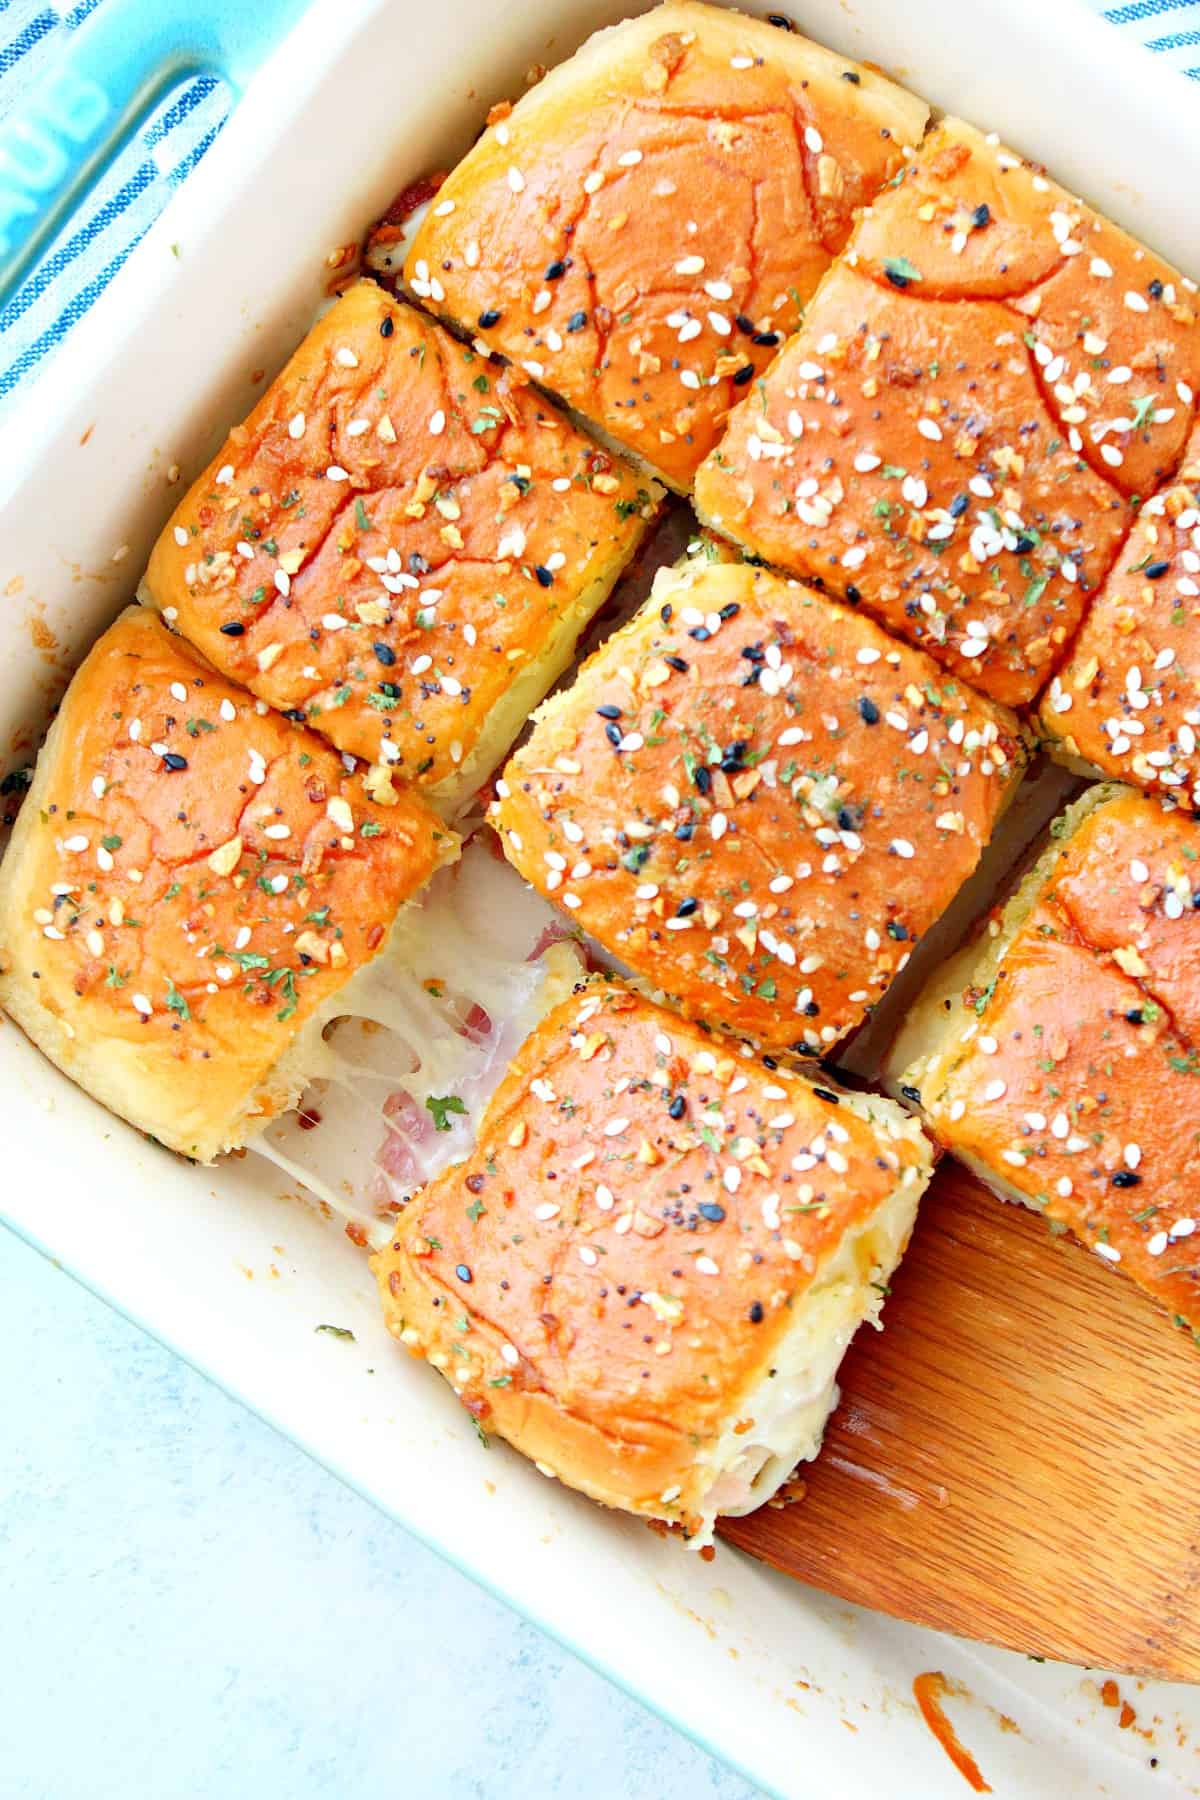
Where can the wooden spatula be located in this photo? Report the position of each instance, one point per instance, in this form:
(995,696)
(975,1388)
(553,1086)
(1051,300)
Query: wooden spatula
(1016,1458)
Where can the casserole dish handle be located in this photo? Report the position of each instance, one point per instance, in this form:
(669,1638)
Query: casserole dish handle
(110,74)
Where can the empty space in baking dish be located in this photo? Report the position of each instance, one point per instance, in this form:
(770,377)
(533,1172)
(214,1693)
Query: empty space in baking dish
(415,1044)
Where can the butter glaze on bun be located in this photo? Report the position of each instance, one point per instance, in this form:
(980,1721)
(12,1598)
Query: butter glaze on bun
(400,545)
(1058,1056)
(191,882)
(758,800)
(644,227)
(1127,702)
(647,1272)
(976,392)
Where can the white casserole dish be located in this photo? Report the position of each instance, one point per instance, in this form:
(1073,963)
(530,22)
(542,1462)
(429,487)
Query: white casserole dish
(809,1697)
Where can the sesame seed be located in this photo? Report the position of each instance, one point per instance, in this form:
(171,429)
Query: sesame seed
(995,1090)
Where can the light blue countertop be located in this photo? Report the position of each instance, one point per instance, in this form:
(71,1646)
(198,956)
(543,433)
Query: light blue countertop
(192,1610)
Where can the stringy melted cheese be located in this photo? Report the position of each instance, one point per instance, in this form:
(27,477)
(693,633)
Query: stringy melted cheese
(436,1017)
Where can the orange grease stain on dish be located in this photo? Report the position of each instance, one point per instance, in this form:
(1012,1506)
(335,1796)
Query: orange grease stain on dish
(929,1689)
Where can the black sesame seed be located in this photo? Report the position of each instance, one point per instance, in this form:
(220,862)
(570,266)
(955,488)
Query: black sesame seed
(387,326)
(1135,1016)
(958,506)
(545,576)
(1156,289)
(686,908)
(745,324)
(555,271)
(868,712)
(701,633)
(577,321)
(296,714)
(896,278)
(678,1107)
(852,76)
(710,1210)
(233,628)
(770,1062)
(743,375)
(911,1093)
(853,595)
(1155,571)
(608,711)
(489,318)
(463,1273)
(730,610)
(811,1010)
(613,734)
(897,931)
(385,654)
(981,216)
(824,1094)
(666,613)
(756,1313)
(1024,545)
(783,24)
(1126,1178)
(703,779)
(685,832)
(173,761)
(677,663)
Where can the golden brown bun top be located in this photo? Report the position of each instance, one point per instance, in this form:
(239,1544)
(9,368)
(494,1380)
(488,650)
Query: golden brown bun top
(641,1210)
(1128,881)
(954,432)
(1079,1083)
(387,540)
(1126,699)
(758,800)
(1095,303)
(655,213)
(198,876)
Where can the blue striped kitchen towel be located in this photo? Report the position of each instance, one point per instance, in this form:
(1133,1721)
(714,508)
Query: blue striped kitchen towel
(123,207)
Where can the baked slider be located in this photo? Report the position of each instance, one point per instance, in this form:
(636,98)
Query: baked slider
(758,800)
(645,226)
(400,545)
(1058,1055)
(953,437)
(191,884)
(1127,701)
(646,1273)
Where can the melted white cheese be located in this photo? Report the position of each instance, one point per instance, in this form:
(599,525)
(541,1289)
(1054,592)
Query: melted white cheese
(791,1404)
(435,1018)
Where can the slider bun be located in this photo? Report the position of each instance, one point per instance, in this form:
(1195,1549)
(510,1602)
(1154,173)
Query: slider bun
(954,434)
(687,149)
(1057,1056)
(758,801)
(1125,701)
(652,1303)
(143,948)
(485,570)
